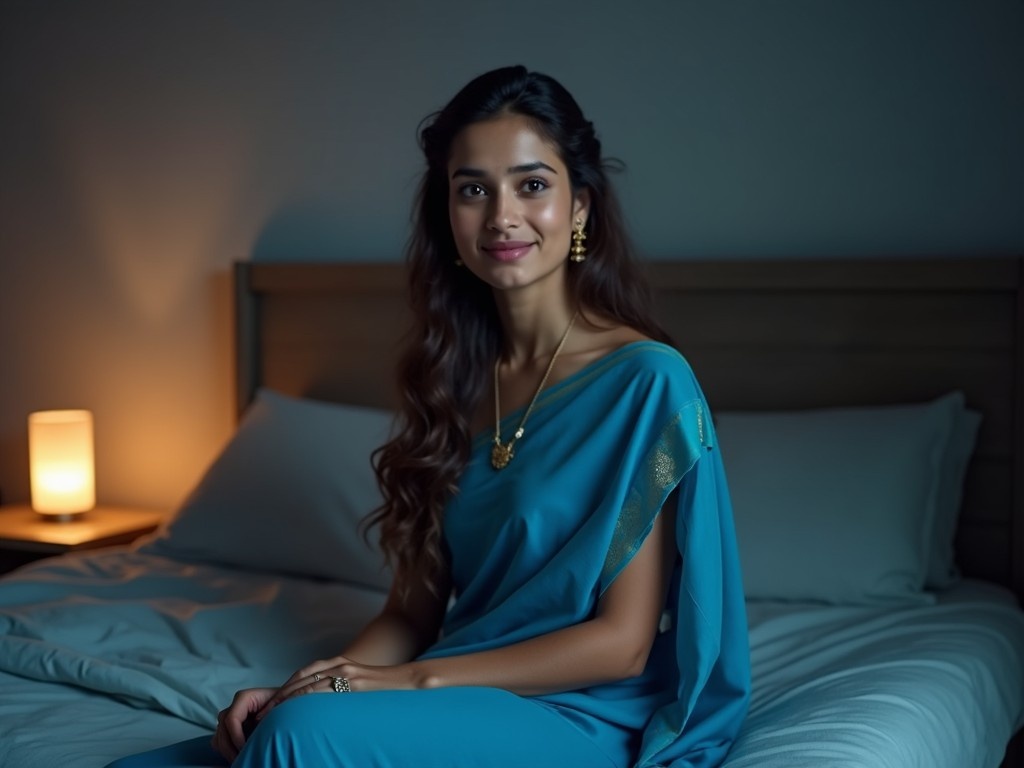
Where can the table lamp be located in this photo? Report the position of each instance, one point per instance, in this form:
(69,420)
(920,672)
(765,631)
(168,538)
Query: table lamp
(60,449)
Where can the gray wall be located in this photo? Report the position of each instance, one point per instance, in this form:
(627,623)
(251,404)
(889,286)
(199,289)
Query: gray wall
(146,145)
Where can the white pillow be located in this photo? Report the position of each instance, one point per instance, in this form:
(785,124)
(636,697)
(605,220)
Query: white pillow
(837,505)
(287,494)
(942,570)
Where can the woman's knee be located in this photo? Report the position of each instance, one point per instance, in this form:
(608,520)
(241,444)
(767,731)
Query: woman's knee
(292,733)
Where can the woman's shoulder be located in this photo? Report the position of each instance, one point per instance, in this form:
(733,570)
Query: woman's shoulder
(624,358)
(642,366)
(651,356)
(611,343)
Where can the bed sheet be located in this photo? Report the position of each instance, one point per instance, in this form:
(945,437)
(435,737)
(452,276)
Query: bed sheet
(56,725)
(114,652)
(109,653)
(939,685)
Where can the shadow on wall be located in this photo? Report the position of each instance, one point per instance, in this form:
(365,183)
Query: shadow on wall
(320,230)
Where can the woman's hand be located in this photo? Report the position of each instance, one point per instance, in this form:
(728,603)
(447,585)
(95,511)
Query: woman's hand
(235,723)
(317,678)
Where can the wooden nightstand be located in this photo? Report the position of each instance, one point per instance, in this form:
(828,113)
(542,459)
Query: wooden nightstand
(26,535)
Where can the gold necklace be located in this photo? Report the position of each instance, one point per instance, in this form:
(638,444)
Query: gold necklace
(501,455)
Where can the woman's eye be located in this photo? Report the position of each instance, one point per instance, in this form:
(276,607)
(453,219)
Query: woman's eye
(471,190)
(535,185)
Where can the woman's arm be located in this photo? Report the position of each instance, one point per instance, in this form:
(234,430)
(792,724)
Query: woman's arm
(613,645)
(409,622)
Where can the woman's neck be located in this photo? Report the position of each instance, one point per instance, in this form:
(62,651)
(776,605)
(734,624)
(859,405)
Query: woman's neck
(532,326)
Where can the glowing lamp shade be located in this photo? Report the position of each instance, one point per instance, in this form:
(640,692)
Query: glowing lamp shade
(61,462)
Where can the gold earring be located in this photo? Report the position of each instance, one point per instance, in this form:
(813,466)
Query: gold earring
(578,250)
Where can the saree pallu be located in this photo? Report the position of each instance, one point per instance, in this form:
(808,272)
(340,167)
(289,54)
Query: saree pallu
(534,546)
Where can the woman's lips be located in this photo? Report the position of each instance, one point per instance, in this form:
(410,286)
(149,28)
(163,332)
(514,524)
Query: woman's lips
(508,251)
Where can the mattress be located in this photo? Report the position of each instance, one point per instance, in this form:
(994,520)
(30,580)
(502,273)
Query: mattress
(110,653)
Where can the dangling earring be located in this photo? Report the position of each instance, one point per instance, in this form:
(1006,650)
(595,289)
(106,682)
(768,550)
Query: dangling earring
(578,250)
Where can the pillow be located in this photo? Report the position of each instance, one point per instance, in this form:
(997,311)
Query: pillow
(837,505)
(942,570)
(287,494)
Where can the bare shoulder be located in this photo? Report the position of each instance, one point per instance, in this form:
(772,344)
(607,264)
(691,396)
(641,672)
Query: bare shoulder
(593,338)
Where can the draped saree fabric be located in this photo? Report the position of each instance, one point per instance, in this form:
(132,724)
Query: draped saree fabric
(535,545)
(532,549)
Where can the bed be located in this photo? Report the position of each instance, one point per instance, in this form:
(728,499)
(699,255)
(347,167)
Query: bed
(871,417)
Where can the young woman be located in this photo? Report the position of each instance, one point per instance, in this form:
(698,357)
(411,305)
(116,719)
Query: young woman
(567,590)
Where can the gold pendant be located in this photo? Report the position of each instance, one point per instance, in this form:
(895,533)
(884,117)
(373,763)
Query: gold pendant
(501,455)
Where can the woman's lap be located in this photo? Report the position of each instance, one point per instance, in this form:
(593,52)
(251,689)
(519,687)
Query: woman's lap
(470,727)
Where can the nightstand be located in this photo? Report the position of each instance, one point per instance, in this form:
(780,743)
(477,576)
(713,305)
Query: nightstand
(25,535)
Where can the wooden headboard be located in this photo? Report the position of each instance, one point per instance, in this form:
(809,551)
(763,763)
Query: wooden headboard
(761,335)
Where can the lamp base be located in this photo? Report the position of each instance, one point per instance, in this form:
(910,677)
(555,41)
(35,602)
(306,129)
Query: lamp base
(61,517)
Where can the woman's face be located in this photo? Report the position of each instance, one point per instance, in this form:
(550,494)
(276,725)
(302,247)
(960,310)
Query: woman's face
(511,204)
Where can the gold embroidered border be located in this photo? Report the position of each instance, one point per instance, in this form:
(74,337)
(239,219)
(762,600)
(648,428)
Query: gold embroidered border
(673,455)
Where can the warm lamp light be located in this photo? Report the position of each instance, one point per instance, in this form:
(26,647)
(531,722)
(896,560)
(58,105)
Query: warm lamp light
(61,463)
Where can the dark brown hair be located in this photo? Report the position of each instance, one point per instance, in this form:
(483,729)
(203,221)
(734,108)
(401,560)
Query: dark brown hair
(456,336)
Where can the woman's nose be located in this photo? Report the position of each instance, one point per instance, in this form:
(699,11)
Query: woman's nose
(504,212)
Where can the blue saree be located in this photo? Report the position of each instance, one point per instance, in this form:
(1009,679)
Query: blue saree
(532,548)
(535,545)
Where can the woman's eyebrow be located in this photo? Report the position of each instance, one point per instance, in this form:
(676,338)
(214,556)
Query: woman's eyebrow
(529,167)
(476,173)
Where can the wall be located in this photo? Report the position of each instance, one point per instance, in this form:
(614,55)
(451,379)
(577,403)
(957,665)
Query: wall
(144,146)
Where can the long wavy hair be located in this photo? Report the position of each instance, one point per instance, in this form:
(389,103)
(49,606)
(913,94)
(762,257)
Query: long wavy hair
(456,335)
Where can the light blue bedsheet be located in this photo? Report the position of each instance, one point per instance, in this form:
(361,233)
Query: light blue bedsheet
(162,637)
(116,652)
(939,686)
